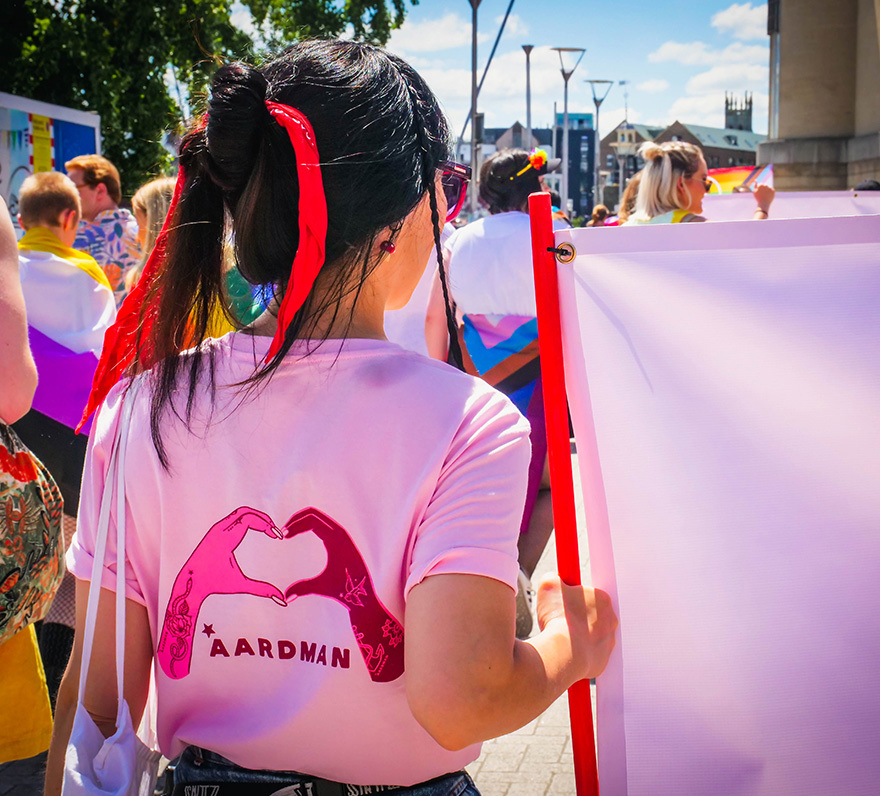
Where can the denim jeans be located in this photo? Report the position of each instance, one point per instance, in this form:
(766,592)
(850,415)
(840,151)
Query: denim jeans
(200,766)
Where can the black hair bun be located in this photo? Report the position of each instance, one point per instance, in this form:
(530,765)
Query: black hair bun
(501,188)
(237,117)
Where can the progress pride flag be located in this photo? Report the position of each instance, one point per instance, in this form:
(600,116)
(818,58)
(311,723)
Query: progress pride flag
(724,382)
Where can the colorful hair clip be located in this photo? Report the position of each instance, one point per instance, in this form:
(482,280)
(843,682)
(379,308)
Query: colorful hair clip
(537,161)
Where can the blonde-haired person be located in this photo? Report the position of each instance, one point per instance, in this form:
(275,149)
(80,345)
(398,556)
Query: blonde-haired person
(674,181)
(150,206)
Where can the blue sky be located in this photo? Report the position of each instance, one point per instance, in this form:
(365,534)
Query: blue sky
(678,56)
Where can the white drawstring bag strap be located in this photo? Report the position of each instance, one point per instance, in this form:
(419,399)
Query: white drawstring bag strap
(98,566)
(122,705)
(120,765)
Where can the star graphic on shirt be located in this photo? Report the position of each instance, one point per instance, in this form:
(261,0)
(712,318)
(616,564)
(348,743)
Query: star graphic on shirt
(208,630)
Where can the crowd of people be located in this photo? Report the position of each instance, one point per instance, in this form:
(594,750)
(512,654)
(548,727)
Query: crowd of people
(400,505)
(266,398)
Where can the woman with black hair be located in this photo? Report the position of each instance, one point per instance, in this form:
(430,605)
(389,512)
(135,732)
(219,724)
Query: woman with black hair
(492,284)
(321,526)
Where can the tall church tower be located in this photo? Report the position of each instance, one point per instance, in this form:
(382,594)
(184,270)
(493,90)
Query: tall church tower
(738,115)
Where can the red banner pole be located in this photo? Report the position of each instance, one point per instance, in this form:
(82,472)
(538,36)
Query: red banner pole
(586,773)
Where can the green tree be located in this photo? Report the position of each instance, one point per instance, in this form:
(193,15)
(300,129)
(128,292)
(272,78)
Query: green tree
(135,61)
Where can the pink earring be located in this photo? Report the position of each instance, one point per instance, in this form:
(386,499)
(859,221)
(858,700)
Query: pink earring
(387,246)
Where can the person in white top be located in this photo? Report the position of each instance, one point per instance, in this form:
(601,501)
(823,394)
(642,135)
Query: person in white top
(69,301)
(407,326)
(320,565)
(67,295)
(492,284)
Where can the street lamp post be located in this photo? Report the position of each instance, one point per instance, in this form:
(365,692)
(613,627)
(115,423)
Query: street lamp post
(566,52)
(527,48)
(475,170)
(596,86)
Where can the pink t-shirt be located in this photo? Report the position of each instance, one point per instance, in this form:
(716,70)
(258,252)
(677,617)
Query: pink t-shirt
(334,488)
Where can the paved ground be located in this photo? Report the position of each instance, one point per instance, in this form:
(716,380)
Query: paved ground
(536,759)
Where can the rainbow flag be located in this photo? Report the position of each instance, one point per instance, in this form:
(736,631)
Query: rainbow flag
(503,351)
(740,178)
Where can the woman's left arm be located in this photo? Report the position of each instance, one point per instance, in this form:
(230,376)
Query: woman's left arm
(100,696)
(16,363)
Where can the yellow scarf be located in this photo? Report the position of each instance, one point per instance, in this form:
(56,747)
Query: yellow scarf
(40,239)
(678,216)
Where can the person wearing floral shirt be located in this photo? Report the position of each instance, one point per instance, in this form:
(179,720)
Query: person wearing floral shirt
(107,231)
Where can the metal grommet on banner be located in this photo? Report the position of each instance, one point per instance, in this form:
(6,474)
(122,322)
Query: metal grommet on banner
(564,252)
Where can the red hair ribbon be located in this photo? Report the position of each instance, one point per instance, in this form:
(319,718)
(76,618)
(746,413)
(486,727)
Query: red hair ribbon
(120,340)
(312,218)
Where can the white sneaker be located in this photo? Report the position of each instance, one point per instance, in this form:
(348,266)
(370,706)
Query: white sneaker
(525,601)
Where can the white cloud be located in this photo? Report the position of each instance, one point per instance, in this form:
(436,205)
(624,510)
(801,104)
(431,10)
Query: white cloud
(432,35)
(699,53)
(503,97)
(653,86)
(704,100)
(742,21)
(736,68)
(705,109)
(514,27)
(241,18)
(708,109)
(729,77)
(611,117)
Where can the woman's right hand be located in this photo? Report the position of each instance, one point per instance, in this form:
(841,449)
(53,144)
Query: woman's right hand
(764,195)
(585,615)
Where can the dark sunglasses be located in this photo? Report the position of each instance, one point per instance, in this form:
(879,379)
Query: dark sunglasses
(454,178)
(707,184)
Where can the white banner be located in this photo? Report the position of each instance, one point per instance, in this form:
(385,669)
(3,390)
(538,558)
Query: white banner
(724,382)
(794,204)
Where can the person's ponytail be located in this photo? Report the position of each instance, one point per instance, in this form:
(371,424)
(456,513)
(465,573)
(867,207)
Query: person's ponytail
(380,136)
(230,167)
(664,164)
(188,286)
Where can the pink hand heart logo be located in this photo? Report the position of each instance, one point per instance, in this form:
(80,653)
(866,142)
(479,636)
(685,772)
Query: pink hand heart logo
(213,569)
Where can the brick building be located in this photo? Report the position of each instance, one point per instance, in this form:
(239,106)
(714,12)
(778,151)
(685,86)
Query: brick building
(732,145)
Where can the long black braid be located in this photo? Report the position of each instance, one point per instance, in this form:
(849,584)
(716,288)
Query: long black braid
(451,325)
